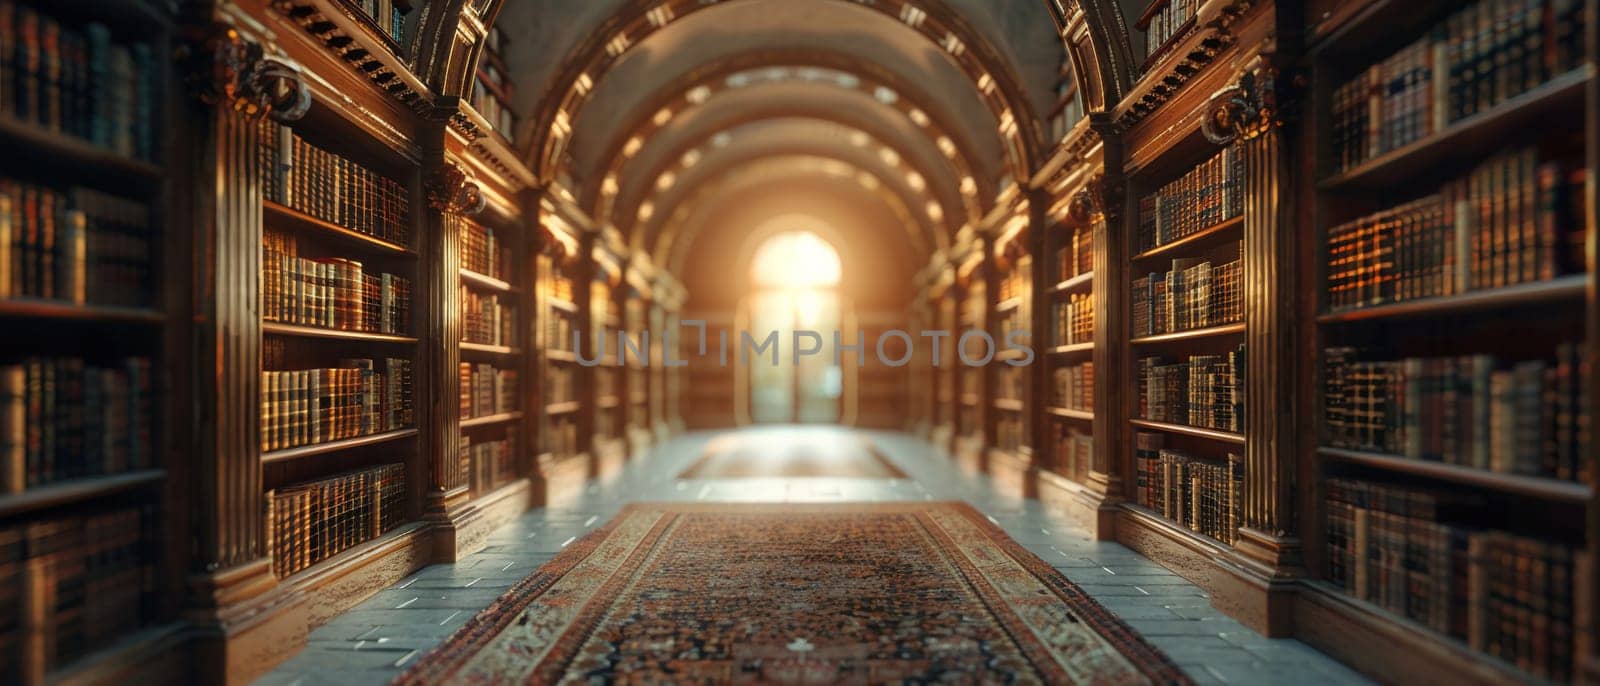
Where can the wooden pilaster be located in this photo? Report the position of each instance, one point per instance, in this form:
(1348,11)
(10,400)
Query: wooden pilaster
(246,621)
(1266,556)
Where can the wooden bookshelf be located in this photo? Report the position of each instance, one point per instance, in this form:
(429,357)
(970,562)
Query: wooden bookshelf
(133,328)
(316,449)
(1496,321)
(289,218)
(1191,334)
(1067,413)
(1209,235)
(279,329)
(1194,431)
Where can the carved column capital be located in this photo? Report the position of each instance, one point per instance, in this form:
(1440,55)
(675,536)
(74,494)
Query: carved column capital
(451,190)
(1246,109)
(229,70)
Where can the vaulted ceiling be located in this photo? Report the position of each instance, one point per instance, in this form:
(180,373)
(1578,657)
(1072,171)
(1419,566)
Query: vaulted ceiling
(652,113)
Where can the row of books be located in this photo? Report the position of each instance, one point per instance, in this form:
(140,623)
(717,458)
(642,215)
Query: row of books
(1011,383)
(66,418)
(493,463)
(1076,256)
(1018,320)
(73,584)
(1074,319)
(482,252)
(1073,386)
(78,80)
(1506,595)
(561,436)
(1480,56)
(390,16)
(1010,432)
(486,390)
(558,332)
(1512,219)
(1201,495)
(356,398)
(311,522)
(330,293)
(77,246)
(331,187)
(1016,282)
(1207,195)
(559,286)
(560,384)
(487,318)
(1166,22)
(1525,417)
(1205,391)
(1074,452)
(1192,295)
(486,100)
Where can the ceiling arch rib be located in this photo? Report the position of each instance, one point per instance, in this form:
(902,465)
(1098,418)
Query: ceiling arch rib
(791,137)
(777,185)
(852,126)
(833,71)
(989,75)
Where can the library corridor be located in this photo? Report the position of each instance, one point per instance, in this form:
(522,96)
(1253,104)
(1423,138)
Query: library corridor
(799,342)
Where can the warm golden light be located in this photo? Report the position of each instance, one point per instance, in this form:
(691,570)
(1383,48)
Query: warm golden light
(795,260)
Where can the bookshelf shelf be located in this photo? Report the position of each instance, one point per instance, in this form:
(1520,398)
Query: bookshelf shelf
(608,401)
(305,451)
(567,407)
(561,356)
(970,399)
(1067,413)
(1009,404)
(487,420)
(486,282)
(277,329)
(1468,136)
(1071,348)
(1531,486)
(38,143)
(1073,284)
(1191,334)
(359,555)
(1008,304)
(1215,232)
(76,491)
(563,305)
(285,214)
(485,349)
(1175,532)
(1197,432)
(62,311)
(1563,288)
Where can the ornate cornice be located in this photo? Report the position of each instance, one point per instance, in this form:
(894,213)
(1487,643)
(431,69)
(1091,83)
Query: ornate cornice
(1245,109)
(229,70)
(1209,40)
(365,61)
(452,191)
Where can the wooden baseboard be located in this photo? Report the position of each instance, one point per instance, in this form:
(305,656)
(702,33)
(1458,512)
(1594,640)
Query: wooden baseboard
(1079,503)
(1013,473)
(343,581)
(1392,649)
(1264,605)
(465,529)
(158,655)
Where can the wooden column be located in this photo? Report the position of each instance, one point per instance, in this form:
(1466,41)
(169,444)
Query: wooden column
(1267,553)
(1102,207)
(245,621)
(1586,591)
(450,195)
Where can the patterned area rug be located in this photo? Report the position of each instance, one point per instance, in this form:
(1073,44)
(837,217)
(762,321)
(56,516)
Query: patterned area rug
(796,594)
(790,453)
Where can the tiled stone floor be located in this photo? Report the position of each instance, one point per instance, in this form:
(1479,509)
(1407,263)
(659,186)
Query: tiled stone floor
(373,642)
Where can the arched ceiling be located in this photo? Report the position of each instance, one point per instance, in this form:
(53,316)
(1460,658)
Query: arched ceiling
(645,109)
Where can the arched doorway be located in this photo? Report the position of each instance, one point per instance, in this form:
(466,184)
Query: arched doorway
(794,278)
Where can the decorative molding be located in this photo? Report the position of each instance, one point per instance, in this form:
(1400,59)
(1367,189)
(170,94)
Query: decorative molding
(1245,109)
(452,191)
(405,89)
(227,70)
(1187,59)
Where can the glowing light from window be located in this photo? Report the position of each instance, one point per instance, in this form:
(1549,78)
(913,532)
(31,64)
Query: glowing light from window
(795,259)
